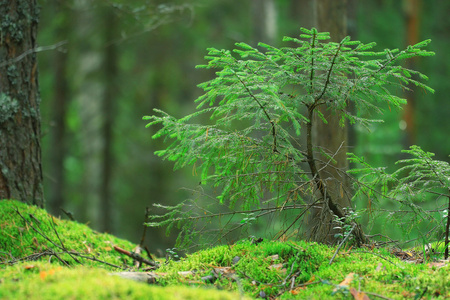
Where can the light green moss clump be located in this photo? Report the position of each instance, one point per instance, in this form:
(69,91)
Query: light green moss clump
(302,270)
(26,272)
(40,280)
(19,240)
(255,268)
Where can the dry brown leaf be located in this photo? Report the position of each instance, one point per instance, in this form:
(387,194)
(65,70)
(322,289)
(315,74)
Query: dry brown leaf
(28,267)
(88,249)
(348,279)
(380,267)
(274,257)
(358,295)
(346,282)
(406,294)
(35,242)
(437,265)
(276,266)
(225,271)
(296,291)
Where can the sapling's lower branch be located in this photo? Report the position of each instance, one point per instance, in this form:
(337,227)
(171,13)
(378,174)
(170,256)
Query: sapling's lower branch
(272,123)
(329,73)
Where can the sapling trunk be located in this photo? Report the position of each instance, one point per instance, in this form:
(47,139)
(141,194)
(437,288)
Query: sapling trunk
(321,185)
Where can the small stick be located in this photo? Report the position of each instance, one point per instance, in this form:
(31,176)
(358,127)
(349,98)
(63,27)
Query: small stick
(447,229)
(342,243)
(136,256)
(147,215)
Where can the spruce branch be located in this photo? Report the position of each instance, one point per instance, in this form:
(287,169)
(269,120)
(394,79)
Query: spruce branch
(311,76)
(327,82)
(269,119)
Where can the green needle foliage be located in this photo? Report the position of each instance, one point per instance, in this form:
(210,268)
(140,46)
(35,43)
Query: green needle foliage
(420,180)
(260,102)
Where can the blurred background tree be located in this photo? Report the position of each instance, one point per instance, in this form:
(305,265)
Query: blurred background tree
(123,59)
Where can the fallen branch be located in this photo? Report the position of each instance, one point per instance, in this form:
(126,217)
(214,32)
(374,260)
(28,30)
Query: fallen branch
(136,256)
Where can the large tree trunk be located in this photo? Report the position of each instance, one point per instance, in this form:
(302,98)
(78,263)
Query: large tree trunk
(20,130)
(331,138)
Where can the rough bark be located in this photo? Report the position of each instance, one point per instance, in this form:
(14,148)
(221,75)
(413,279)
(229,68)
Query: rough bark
(332,139)
(20,130)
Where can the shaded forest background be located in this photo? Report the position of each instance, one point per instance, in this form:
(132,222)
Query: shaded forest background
(121,59)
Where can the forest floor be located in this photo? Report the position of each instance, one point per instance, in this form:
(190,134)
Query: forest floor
(42,257)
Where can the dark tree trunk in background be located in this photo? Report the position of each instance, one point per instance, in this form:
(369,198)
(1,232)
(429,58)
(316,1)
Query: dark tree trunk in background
(304,12)
(88,94)
(108,110)
(61,97)
(20,130)
(352,31)
(331,138)
(411,10)
(264,21)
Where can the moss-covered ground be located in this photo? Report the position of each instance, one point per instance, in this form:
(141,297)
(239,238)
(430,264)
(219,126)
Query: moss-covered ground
(42,257)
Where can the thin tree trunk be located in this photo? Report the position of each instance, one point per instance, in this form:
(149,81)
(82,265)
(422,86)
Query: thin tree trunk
(89,95)
(352,31)
(411,10)
(61,96)
(264,17)
(108,111)
(20,130)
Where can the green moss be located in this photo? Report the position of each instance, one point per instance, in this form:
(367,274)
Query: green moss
(269,267)
(40,280)
(18,239)
(23,273)
(263,267)
(282,270)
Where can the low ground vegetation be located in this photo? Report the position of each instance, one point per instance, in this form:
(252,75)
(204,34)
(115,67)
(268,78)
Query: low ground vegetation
(43,257)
